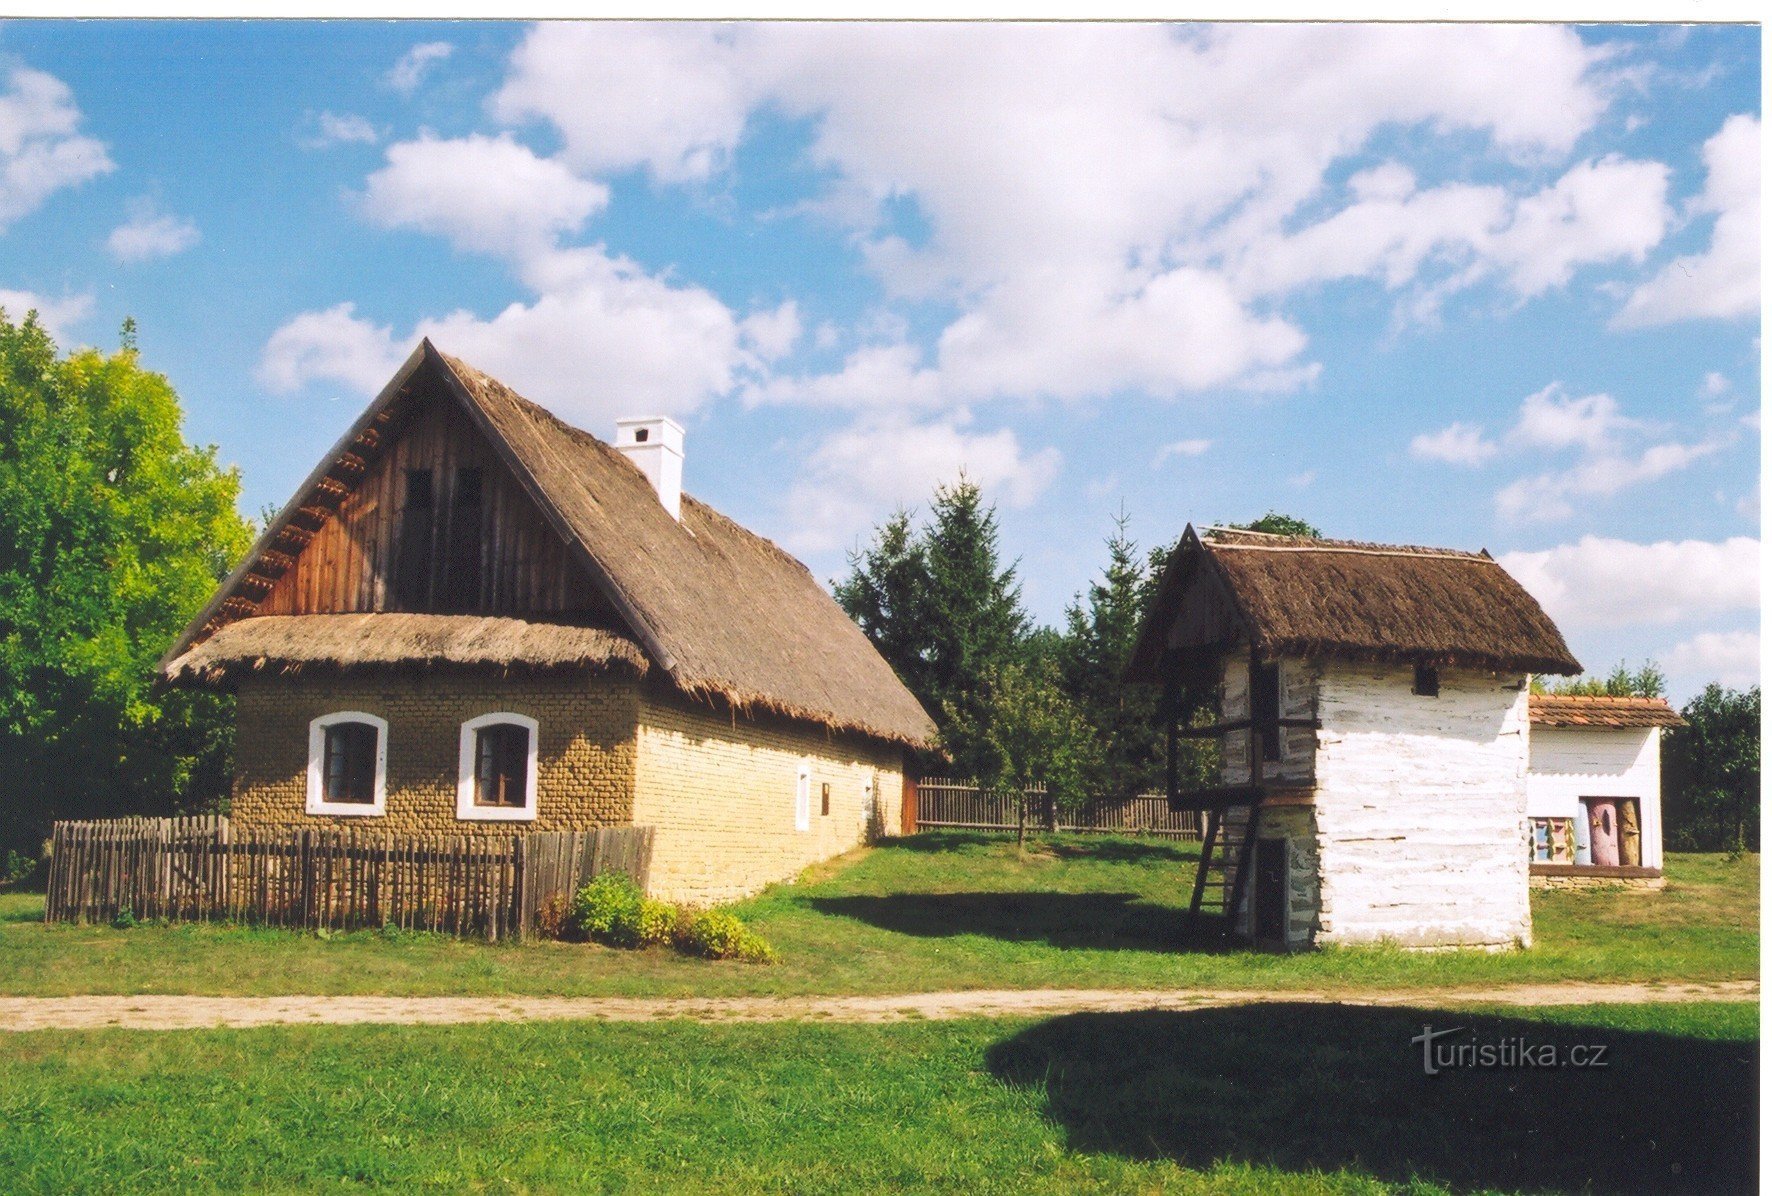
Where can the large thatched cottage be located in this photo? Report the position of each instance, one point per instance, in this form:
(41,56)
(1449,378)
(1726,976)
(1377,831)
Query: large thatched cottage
(1370,705)
(474,618)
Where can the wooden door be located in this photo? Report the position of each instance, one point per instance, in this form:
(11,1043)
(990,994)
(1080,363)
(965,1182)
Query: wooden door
(1602,830)
(1272,910)
(1630,833)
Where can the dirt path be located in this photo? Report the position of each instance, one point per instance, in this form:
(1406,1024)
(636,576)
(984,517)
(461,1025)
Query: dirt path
(185,1013)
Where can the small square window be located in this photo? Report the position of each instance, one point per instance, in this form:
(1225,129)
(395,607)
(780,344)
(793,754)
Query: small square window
(1427,680)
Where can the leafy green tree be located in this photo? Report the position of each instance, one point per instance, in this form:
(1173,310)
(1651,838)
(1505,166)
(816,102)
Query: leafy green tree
(1711,771)
(1028,732)
(1276,524)
(1648,681)
(944,610)
(113,532)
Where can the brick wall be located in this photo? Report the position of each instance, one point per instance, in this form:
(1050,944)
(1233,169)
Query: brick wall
(584,772)
(721,789)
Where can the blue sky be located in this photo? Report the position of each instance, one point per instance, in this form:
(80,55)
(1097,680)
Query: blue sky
(1474,286)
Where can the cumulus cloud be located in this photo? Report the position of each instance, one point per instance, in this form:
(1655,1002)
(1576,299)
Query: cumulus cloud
(1073,181)
(1597,582)
(1731,658)
(610,341)
(484,194)
(150,234)
(1455,444)
(57,316)
(41,148)
(1722,282)
(1552,420)
(773,334)
(406,74)
(854,474)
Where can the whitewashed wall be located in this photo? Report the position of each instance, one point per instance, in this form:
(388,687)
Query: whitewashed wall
(1570,763)
(1421,808)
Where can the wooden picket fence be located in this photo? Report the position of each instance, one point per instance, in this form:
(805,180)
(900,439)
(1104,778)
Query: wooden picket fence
(206,869)
(945,802)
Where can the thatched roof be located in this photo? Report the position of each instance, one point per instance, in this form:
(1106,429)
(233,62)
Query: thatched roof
(291,643)
(1580,710)
(1290,596)
(722,612)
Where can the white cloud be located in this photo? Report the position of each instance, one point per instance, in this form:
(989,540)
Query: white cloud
(485,194)
(773,334)
(341,129)
(1303,480)
(1610,210)
(149,234)
(57,316)
(1731,658)
(1072,181)
(858,474)
(334,345)
(406,74)
(1180,448)
(1553,419)
(1456,444)
(1597,582)
(41,150)
(1551,496)
(609,340)
(1723,282)
(1715,384)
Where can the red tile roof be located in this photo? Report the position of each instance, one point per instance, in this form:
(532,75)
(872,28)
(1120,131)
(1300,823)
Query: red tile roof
(1579,710)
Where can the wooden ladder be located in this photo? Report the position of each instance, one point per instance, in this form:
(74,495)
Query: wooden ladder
(1224,862)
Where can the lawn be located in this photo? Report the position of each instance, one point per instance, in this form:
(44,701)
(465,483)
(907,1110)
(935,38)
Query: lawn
(934,911)
(1299,1098)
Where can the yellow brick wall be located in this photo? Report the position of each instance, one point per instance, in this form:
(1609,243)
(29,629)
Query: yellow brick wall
(584,770)
(720,789)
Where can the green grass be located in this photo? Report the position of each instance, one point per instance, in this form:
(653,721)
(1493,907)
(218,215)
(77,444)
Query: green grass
(936,911)
(1301,1098)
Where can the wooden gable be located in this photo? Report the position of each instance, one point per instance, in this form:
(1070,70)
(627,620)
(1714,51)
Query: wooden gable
(437,524)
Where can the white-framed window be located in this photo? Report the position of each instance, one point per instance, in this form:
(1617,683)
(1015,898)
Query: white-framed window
(803,797)
(495,779)
(348,765)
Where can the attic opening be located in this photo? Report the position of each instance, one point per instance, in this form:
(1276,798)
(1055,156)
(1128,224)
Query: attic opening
(1427,681)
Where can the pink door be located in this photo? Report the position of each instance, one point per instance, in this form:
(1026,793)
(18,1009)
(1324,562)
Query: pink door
(1602,823)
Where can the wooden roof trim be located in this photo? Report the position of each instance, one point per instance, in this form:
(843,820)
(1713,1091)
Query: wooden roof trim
(224,593)
(526,478)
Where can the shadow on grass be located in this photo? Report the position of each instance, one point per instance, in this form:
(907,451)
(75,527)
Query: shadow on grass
(1307,1087)
(1107,921)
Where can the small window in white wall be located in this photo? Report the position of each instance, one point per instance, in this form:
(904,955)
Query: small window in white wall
(803,797)
(348,764)
(495,779)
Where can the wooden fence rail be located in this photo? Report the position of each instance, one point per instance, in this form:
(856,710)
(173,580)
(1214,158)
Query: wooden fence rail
(943,802)
(206,869)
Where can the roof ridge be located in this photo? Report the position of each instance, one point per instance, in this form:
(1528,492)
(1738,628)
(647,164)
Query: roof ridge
(1284,543)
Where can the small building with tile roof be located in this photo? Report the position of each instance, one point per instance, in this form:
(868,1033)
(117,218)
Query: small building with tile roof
(1593,789)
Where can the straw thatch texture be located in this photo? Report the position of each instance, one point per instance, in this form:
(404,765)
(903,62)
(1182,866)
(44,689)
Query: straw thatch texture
(289,643)
(1580,710)
(736,616)
(1342,598)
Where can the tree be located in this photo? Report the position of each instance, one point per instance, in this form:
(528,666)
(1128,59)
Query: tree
(1711,798)
(1027,732)
(1623,681)
(113,532)
(1092,654)
(944,611)
(1276,524)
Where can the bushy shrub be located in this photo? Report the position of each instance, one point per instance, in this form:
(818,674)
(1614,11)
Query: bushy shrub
(657,923)
(608,910)
(717,934)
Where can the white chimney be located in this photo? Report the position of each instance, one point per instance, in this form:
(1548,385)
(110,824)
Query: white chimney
(655,444)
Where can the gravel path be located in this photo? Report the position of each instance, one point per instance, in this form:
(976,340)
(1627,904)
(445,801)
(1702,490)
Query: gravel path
(186,1013)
